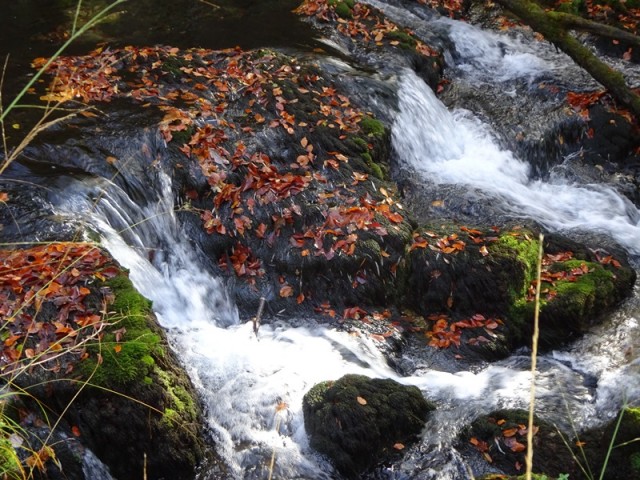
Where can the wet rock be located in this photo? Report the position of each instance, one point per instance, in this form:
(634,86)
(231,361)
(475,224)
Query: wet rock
(613,448)
(500,437)
(96,358)
(358,421)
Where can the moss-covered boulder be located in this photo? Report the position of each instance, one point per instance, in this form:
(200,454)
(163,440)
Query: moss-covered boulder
(500,438)
(358,421)
(81,344)
(578,286)
(615,448)
(477,287)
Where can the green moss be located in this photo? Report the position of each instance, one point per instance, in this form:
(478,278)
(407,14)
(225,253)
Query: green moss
(184,136)
(573,6)
(181,401)
(406,40)
(377,171)
(170,417)
(525,249)
(581,295)
(9,461)
(315,396)
(343,8)
(173,65)
(372,127)
(132,358)
(361,143)
(635,462)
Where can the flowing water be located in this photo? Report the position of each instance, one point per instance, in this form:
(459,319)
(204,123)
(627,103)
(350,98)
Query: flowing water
(253,384)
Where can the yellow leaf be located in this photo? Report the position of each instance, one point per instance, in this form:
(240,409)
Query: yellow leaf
(16,126)
(483,251)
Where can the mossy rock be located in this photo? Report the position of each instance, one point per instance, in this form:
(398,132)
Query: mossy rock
(356,420)
(623,460)
(464,282)
(144,402)
(569,305)
(373,127)
(501,437)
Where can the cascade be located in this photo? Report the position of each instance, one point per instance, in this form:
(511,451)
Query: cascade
(457,148)
(253,384)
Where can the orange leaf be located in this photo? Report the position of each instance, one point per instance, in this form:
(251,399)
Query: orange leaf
(286,291)
(361,400)
(509,432)
(518,447)
(398,446)
(117,348)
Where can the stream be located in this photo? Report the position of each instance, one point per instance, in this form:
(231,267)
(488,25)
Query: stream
(253,384)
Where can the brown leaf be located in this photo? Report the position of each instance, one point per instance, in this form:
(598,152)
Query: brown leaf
(286,291)
(398,446)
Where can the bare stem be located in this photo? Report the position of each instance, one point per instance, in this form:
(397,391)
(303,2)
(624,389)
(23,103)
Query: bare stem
(534,356)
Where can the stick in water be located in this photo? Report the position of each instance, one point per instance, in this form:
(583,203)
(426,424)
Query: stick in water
(258,318)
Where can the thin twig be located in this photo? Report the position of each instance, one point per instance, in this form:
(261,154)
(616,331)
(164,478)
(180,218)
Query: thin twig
(258,318)
(534,356)
(212,5)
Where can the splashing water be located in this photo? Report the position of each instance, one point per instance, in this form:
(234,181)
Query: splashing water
(253,385)
(456,148)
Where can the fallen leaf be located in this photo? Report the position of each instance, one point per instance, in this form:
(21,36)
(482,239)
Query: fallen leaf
(286,291)
(361,400)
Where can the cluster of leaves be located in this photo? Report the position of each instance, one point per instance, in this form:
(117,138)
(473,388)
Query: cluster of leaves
(618,13)
(452,243)
(512,436)
(453,8)
(444,332)
(364,24)
(581,102)
(205,105)
(51,277)
(551,275)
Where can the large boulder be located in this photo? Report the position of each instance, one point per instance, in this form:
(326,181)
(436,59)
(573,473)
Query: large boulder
(358,421)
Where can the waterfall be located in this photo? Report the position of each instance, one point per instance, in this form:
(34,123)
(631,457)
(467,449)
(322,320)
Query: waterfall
(253,385)
(457,148)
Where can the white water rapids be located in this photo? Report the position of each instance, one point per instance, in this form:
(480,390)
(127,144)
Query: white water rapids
(253,387)
(456,148)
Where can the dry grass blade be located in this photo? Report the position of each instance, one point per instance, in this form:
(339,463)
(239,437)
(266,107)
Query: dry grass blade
(534,355)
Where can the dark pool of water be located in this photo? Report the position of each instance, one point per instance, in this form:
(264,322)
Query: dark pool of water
(37,28)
